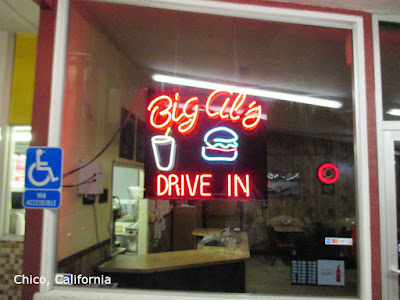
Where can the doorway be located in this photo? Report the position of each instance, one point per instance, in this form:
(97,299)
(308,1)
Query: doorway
(392,206)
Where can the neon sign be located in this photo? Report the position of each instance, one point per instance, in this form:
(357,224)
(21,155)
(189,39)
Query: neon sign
(216,149)
(163,118)
(165,111)
(237,182)
(184,185)
(175,185)
(252,115)
(166,143)
(222,146)
(328,173)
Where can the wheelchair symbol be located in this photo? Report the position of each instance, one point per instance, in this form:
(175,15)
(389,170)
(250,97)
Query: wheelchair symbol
(39,167)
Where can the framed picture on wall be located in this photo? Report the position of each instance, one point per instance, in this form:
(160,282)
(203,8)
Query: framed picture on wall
(328,189)
(140,140)
(127,136)
(283,184)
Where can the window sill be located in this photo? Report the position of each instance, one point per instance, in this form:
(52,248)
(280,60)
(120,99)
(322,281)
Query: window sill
(12,238)
(75,293)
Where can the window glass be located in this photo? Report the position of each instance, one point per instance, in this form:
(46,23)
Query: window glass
(389,34)
(15,212)
(237,135)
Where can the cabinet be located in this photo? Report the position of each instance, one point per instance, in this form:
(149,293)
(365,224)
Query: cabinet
(129,210)
(185,219)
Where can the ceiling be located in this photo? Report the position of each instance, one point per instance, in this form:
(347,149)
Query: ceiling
(19,16)
(297,59)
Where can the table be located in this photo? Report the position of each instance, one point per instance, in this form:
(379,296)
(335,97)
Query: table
(205,231)
(206,269)
(288,228)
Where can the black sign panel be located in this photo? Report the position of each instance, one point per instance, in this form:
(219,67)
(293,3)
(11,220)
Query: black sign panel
(197,150)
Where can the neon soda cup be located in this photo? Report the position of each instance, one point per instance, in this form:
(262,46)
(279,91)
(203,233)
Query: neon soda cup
(164,150)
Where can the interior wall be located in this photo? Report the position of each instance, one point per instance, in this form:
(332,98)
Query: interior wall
(289,153)
(23,79)
(311,208)
(100,80)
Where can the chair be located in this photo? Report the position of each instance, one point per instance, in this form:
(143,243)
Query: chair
(278,245)
(350,253)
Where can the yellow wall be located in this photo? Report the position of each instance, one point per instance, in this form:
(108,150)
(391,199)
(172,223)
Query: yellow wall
(23,79)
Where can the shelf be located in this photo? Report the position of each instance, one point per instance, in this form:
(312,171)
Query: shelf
(125,234)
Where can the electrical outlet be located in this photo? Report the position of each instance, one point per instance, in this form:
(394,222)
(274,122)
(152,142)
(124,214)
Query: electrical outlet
(104,197)
(91,180)
(89,199)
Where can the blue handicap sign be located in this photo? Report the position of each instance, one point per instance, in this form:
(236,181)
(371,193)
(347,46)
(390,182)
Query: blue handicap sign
(43,177)
(43,168)
(42,199)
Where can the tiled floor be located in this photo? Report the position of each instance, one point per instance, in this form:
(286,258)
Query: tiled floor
(10,265)
(264,278)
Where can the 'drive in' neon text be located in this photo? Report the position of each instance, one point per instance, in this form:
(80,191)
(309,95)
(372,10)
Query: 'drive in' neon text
(200,185)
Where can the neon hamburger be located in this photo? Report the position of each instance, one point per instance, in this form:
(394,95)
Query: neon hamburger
(221,145)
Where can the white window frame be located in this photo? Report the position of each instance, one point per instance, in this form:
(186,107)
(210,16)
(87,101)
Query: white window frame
(324,19)
(7,188)
(7,45)
(382,127)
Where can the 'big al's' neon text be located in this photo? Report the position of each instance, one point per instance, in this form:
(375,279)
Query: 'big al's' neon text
(184,185)
(164,111)
(252,114)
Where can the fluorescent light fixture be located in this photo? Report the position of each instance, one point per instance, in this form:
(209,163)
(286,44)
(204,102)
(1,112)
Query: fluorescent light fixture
(22,134)
(394,112)
(249,91)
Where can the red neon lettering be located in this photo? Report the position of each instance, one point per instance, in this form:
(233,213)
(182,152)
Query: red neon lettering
(237,104)
(192,118)
(223,107)
(175,118)
(175,185)
(245,188)
(250,116)
(203,184)
(192,191)
(166,184)
(211,98)
(165,179)
(173,181)
(155,112)
(182,185)
(164,111)
(229,185)
(162,107)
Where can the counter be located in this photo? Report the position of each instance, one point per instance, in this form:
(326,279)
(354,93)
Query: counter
(207,269)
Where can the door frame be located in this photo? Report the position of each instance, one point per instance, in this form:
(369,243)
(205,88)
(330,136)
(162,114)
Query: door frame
(391,260)
(385,130)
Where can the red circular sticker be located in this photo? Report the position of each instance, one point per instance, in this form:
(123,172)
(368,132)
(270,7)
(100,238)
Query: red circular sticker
(328,173)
